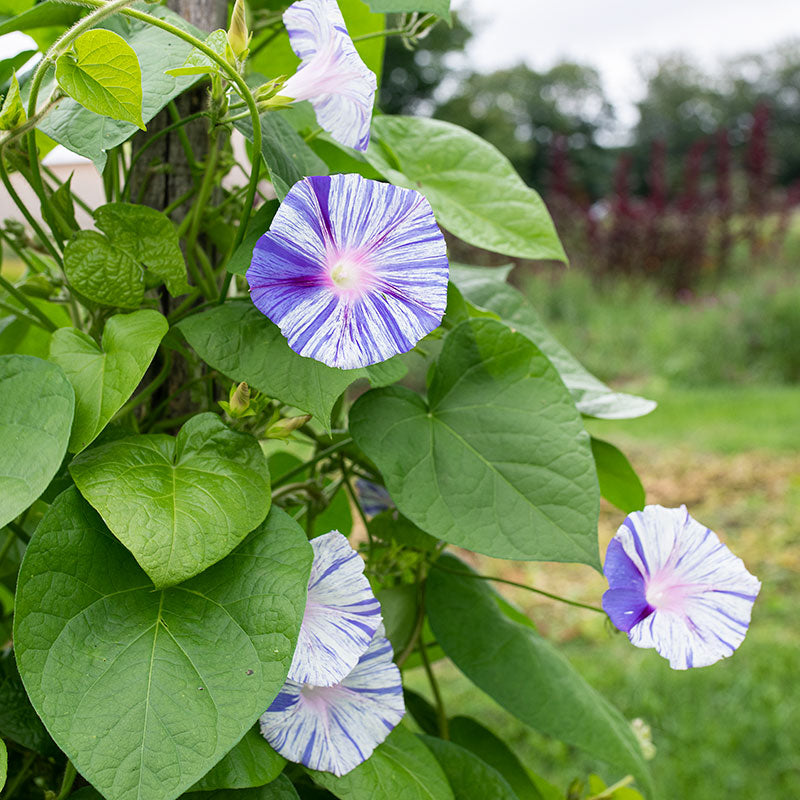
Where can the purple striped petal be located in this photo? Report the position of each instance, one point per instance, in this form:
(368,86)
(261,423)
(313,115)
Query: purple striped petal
(336,728)
(341,616)
(373,497)
(675,587)
(331,75)
(353,271)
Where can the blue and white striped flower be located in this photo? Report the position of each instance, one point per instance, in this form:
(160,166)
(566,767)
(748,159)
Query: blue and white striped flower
(353,271)
(336,728)
(341,616)
(675,587)
(331,75)
(373,497)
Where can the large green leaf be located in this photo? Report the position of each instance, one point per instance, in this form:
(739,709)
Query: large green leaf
(251,763)
(178,504)
(475,192)
(288,157)
(101,71)
(280,789)
(105,377)
(494,751)
(102,273)
(400,768)
(149,237)
(240,342)
(619,483)
(497,460)
(35,419)
(488,289)
(18,720)
(523,672)
(92,135)
(468,775)
(439,7)
(45,14)
(145,690)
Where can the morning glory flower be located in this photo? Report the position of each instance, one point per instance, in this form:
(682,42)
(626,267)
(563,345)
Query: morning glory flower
(331,75)
(336,728)
(373,497)
(353,271)
(341,616)
(675,587)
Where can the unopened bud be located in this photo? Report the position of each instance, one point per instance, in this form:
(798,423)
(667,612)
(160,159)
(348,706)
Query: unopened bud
(283,428)
(238,35)
(238,404)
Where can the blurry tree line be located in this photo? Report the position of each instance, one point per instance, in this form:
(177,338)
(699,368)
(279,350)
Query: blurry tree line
(714,160)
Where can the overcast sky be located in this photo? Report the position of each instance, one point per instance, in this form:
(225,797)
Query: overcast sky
(611,34)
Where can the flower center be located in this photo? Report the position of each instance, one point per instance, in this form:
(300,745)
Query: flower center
(346,274)
(664,594)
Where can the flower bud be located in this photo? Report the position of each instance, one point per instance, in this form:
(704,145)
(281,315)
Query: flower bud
(238,35)
(283,428)
(238,404)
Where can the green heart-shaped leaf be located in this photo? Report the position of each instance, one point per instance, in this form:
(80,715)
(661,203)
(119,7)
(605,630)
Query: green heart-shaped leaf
(102,73)
(497,460)
(149,237)
(35,418)
(178,504)
(101,272)
(104,378)
(146,690)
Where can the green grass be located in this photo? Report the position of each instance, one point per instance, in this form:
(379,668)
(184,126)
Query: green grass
(722,419)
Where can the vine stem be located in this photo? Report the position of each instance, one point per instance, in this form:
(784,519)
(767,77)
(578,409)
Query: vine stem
(126,189)
(19,532)
(146,393)
(44,320)
(437,565)
(441,713)
(60,46)
(106,8)
(310,463)
(37,229)
(609,790)
(20,777)
(70,773)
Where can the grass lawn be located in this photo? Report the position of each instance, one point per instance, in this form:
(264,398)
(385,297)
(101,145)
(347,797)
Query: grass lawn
(730,730)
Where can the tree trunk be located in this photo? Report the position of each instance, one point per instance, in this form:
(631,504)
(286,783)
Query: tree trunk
(165,173)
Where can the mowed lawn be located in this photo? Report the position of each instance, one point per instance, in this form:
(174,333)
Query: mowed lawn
(730,730)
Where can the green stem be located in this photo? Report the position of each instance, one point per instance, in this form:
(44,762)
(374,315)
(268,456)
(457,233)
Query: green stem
(441,714)
(58,48)
(354,499)
(175,422)
(18,531)
(45,321)
(19,314)
(10,539)
(126,189)
(379,34)
(175,116)
(45,240)
(70,773)
(533,589)
(147,392)
(313,135)
(20,777)
(418,624)
(178,202)
(609,790)
(310,463)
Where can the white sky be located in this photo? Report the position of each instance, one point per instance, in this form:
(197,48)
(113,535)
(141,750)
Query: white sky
(611,34)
